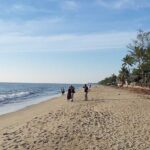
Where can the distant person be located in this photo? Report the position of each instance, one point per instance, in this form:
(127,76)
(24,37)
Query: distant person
(69,93)
(63,91)
(90,86)
(72,92)
(86,90)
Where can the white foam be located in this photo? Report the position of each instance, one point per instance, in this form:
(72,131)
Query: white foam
(17,106)
(3,97)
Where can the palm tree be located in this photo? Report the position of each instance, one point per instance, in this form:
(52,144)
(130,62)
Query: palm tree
(139,50)
(146,67)
(123,75)
(128,61)
(147,56)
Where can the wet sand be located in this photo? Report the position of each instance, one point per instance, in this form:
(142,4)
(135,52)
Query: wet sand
(112,119)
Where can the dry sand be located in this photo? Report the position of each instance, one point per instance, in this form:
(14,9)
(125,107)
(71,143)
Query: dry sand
(112,119)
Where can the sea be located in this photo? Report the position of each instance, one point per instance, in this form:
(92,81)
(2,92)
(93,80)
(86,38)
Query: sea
(16,96)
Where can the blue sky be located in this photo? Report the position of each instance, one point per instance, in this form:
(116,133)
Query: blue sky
(69,41)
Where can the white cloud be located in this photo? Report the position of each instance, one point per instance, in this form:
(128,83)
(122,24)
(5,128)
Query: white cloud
(68,42)
(123,4)
(70,5)
(23,8)
(30,27)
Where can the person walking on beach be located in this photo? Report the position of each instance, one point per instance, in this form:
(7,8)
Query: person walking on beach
(63,91)
(69,93)
(72,92)
(86,89)
(90,86)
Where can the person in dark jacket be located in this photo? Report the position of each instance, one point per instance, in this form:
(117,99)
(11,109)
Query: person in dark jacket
(86,90)
(69,93)
(63,91)
(72,92)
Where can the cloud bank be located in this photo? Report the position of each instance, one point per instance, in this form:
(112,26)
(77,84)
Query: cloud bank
(65,42)
(124,4)
(59,31)
(70,5)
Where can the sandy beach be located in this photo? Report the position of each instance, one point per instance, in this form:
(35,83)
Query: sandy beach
(112,119)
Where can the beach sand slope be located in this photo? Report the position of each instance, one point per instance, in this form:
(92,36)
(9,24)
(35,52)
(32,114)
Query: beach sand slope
(112,119)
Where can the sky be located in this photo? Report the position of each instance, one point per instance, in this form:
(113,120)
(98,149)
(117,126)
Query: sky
(67,41)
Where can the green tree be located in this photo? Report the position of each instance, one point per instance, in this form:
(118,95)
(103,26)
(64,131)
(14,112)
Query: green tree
(112,80)
(139,50)
(123,75)
(128,61)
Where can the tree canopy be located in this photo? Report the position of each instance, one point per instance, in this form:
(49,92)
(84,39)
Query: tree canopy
(136,63)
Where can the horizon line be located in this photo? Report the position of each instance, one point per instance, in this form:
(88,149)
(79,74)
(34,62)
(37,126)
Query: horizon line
(43,83)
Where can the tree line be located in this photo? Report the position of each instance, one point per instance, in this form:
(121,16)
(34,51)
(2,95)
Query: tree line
(135,67)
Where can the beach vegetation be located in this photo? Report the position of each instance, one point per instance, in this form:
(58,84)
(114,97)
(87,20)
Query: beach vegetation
(136,63)
(112,80)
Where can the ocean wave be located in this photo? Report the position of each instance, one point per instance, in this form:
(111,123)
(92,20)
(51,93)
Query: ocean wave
(10,96)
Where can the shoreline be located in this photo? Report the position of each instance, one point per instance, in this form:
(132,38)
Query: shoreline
(25,104)
(33,109)
(20,113)
(15,106)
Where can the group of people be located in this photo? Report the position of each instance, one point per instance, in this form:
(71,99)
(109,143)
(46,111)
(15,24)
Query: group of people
(70,94)
(71,91)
